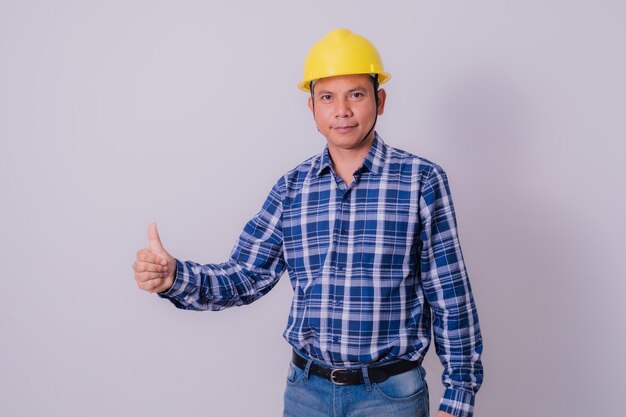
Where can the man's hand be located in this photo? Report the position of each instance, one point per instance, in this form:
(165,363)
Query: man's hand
(154,267)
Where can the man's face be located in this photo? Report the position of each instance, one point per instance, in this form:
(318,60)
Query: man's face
(344,109)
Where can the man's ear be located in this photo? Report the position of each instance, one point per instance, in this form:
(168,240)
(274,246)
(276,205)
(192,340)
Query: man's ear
(382,96)
(310,104)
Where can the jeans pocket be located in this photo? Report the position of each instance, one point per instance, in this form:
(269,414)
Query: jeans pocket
(294,374)
(405,386)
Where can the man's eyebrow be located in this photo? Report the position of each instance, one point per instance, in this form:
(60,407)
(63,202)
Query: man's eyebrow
(352,90)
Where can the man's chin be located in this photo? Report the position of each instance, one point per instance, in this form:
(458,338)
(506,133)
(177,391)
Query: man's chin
(352,143)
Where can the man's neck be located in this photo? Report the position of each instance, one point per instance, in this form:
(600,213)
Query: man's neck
(346,161)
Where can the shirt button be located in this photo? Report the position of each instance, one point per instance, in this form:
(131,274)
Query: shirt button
(342,268)
(336,339)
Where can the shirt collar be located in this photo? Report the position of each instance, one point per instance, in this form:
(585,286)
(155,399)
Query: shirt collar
(373,162)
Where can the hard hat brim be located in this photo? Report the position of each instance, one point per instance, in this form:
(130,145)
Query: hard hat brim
(305,85)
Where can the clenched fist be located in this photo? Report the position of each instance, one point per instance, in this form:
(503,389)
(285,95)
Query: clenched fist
(154,267)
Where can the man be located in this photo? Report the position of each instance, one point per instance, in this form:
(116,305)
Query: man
(368,235)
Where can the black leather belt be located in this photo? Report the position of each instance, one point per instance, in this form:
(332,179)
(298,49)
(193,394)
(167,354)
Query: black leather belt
(342,376)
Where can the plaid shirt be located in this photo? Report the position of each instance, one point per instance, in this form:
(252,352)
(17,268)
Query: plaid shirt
(372,265)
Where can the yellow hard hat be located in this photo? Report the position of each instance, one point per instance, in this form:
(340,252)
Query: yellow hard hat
(342,52)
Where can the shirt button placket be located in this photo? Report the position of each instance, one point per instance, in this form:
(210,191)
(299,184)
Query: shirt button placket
(341,232)
(339,236)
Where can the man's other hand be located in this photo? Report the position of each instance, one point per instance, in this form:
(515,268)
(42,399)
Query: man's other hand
(154,267)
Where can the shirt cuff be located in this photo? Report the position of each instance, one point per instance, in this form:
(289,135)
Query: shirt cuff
(457,402)
(181,283)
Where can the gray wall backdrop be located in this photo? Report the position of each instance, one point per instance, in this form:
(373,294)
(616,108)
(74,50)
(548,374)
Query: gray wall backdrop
(114,114)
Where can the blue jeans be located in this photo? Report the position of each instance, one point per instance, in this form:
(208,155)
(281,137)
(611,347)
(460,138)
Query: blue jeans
(403,395)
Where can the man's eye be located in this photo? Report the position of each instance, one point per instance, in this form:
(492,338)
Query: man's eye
(356,94)
(325,97)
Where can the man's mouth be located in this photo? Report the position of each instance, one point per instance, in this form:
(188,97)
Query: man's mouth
(344,129)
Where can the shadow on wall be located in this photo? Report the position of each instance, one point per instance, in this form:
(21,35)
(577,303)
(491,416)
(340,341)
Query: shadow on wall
(524,246)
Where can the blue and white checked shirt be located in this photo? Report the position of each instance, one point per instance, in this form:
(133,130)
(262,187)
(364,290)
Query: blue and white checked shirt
(372,265)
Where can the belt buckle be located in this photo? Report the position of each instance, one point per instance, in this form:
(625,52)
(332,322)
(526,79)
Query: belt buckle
(333,376)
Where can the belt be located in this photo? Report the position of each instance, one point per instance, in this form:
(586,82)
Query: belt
(343,376)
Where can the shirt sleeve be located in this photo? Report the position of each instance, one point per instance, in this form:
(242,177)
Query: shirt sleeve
(255,265)
(457,337)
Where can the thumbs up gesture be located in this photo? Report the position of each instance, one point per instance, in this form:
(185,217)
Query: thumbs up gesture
(154,267)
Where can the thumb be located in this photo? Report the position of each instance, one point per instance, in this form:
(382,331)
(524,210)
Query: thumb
(155,240)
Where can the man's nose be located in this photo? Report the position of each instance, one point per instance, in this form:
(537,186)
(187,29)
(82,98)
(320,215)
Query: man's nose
(342,108)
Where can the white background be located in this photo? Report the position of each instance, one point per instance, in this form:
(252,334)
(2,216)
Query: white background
(115,114)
